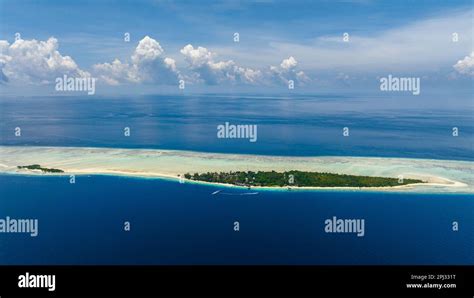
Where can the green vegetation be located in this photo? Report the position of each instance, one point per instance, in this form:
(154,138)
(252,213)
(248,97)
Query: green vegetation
(38,167)
(297,179)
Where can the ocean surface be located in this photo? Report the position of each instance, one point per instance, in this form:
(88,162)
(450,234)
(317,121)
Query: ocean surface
(173,223)
(302,125)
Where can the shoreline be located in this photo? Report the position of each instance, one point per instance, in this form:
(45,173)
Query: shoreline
(398,188)
(440,175)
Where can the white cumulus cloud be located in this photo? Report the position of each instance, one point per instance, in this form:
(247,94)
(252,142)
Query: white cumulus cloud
(201,62)
(466,65)
(35,62)
(288,71)
(147,65)
(40,62)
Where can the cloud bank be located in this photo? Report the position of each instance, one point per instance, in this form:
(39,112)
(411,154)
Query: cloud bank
(35,62)
(40,62)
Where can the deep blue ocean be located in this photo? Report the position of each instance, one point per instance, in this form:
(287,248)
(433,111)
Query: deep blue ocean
(174,223)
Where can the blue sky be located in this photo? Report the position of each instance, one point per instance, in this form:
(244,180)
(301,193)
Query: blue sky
(410,38)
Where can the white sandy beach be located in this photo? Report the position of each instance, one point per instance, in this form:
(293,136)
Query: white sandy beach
(442,175)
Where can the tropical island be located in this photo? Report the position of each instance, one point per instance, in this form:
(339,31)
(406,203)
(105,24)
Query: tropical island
(239,170)
(38,167)
(297,179)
